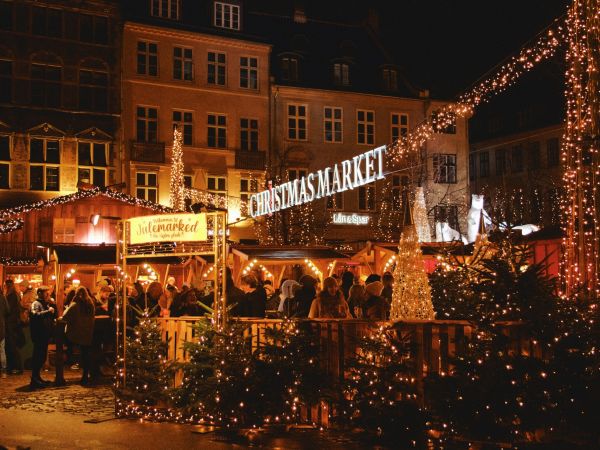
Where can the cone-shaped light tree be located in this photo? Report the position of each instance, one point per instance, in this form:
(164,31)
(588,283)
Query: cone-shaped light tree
(411,298)
(420,212)
(176,185)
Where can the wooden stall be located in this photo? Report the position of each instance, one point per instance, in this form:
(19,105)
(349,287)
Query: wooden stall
(277,263)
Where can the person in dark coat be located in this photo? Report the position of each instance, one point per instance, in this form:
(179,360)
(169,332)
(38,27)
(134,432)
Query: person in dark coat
(255,300)
(388,287)
(3,316)
(40,325)
(375,307)
(305,296)
(347,282)
(15,339)
(235,296)
(79,319)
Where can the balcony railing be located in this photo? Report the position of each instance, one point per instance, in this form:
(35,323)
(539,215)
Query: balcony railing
(249,160)
(152,152)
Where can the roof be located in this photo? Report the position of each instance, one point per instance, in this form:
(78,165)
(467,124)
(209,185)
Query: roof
(288,254)
(427,248)
(101,254)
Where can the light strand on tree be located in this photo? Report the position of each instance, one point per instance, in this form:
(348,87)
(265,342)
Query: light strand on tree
(420,216)
(177,184)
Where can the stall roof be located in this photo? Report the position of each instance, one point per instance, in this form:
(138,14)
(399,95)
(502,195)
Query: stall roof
(289,254)
(101,254)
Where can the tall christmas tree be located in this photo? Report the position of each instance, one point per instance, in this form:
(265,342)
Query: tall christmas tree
(176,185)
(411,298)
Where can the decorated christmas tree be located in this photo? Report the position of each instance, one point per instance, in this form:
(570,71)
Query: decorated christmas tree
(176,184)
(411,298)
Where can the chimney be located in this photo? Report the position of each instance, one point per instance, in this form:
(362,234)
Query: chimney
(299,12)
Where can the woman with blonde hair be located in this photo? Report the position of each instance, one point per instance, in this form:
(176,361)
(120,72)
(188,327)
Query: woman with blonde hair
(330,303)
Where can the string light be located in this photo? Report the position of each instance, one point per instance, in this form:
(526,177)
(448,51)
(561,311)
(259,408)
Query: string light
(177,183)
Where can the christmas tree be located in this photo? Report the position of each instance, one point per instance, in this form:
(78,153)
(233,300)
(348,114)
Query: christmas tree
(420,212)
(176,184)
(411,298)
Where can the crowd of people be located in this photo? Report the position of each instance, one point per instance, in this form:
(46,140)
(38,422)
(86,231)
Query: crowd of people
(22,306)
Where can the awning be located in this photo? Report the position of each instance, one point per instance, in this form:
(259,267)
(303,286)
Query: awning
(289,254)
(102,254)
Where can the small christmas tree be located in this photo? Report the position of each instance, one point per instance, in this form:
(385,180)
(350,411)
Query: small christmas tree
(411,298)
(176,185)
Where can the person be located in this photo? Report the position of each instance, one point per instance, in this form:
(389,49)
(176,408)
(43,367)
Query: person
(305,296)
(330,303)
(15,339)
(347,282)
(235,296)
(388,287)
(356,300)
(287,305)
(187,305)
(375,307)
(3,316)
(101,305)
(153,294)
(272,295)
(171,283)
(41,324)
(79,319)
(372,277)
(255,298)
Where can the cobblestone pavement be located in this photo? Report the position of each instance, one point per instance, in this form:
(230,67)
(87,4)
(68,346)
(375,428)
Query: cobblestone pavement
(93,402)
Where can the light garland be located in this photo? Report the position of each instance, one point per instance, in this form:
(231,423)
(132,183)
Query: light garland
(176,185)
(420,213)
(314,268)
(7,226)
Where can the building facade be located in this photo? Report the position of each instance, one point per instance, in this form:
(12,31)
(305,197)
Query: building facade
(59,97)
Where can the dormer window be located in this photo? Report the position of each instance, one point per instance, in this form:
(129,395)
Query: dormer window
(341,74)
(167,9)
(289,68)
(227,16)
(390,79)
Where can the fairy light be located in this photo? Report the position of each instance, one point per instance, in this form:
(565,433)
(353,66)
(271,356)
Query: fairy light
(176,185)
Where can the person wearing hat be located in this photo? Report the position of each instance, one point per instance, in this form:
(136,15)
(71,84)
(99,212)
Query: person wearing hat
(41,325)
(286,297)
(375,307)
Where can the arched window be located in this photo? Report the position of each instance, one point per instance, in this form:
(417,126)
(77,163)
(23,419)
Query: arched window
(6,75)
(46,77)
(93,86)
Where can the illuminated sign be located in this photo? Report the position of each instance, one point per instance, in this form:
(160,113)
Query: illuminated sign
(350,219)
(167,228)
(350,174)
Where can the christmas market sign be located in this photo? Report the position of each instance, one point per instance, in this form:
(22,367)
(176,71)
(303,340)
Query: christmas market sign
(168,228)
(349,174)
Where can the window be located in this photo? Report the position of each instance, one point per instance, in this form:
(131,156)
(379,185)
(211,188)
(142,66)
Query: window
(447,213)
(553,152)
(167,9)
(6,16)
(399,191)
(297,122)
(444,168)
(390,79)
(365,127)
(399,125)
(500,162)
(92,158)
(183,121)
(146,186)
(93,29)
(63,230)
(249,134)
(248,72)
(247,188)
(332,124)
(183,64)
(147,58)
(296,174)
(4,162)
(341,74)
(93,88)
(535,159)
(46,22)
(147,124)
(44,170)
(6,68)
(366,198)
(46,84)
(335,201)
(484,165)
(289,68)
(218,186)
(472,166)
(216,68)
(227,16)
(217,130)
(443,122)
(517,159)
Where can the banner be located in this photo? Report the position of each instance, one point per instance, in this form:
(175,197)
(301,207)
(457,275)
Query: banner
(167,228)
